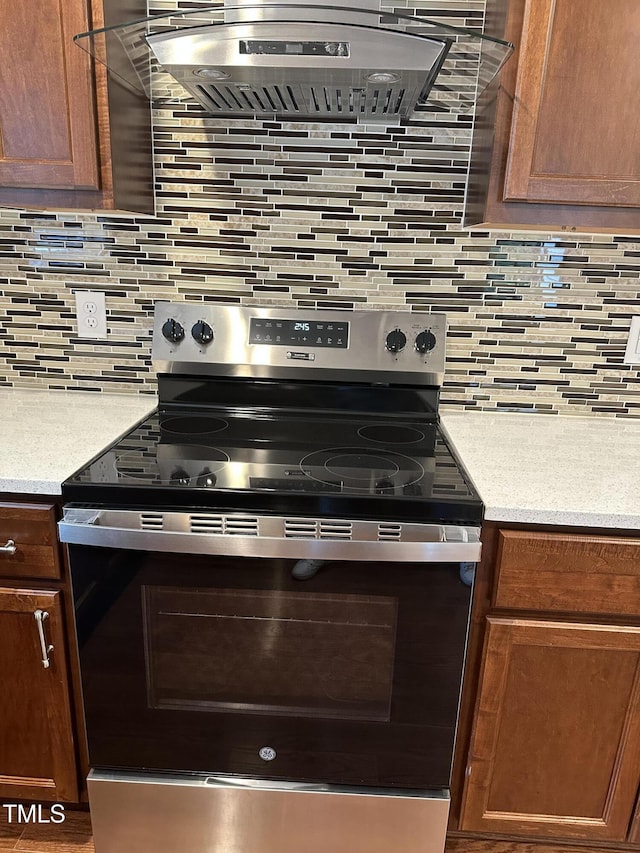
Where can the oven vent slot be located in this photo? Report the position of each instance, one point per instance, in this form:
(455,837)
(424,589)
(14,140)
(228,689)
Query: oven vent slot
(300,528)
(335,530)
(222,525)
(213,524)
(151,521)
(303,528)
(248,526)
(388,531)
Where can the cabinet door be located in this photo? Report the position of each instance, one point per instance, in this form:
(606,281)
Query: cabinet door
(48,135)
(575,133)
(556,736)
(37,757)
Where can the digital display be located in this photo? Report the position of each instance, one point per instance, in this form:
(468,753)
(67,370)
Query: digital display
(298,333)
(339,49)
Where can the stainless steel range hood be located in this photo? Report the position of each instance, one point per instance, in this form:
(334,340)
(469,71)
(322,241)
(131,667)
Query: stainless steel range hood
(301,69)
(301,61)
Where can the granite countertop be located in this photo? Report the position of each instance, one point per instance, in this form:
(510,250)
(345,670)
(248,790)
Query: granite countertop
(47,435)
(549,469)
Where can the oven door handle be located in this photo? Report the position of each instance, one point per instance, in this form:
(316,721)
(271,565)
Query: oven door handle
(247,535)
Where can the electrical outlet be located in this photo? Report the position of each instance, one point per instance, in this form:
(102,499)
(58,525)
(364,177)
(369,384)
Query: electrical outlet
(91,314)
(632,354)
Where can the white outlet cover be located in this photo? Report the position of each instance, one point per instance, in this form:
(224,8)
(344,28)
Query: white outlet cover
(91,314)
(632,353)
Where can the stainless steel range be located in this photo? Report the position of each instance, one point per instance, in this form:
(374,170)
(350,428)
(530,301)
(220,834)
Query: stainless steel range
(266,573)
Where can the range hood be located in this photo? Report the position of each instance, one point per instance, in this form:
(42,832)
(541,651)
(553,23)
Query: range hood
(300,61)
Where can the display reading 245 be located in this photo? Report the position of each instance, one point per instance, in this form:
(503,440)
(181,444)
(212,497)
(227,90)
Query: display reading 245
(273,331)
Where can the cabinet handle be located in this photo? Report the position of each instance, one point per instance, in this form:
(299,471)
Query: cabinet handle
(9,548)
(40,616)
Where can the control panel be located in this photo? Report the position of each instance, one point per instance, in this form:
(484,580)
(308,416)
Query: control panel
(302,333)
(256,341)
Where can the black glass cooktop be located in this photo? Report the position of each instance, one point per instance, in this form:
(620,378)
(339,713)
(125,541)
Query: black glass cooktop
(329,464)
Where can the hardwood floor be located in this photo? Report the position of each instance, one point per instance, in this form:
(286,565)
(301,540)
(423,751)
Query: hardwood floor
(74,836)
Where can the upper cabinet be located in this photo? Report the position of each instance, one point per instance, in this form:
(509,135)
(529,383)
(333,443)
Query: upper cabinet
(71,135)
(566,149)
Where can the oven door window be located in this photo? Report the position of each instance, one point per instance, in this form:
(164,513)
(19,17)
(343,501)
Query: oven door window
(270,652)
(208,664)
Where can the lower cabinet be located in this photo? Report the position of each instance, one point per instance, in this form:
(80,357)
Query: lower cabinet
(557,734)
(555,738)
(37,756)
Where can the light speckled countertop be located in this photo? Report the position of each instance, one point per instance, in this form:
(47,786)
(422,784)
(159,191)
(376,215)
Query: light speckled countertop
(47,435)
(548,469)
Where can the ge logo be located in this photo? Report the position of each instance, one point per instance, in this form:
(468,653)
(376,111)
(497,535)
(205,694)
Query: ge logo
(267,753)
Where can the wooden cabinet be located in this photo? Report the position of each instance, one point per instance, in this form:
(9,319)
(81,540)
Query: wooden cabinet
(37,746)
(567,572)
(566,151)
(557,733)
(37,759)
(28,541)
(71,135)
(556,730)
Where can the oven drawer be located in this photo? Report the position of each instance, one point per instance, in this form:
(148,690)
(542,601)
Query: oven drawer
(194,813)
(28,542)
(563,572)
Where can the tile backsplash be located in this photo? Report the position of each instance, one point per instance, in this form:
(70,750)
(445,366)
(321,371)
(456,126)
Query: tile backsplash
(328,216)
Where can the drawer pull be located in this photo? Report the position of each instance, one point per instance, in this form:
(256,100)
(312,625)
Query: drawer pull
(40,616)
(9,548)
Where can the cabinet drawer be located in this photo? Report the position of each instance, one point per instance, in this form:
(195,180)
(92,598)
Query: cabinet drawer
(32,530)
(567,572)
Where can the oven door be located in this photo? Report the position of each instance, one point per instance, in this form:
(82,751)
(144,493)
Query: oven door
(228,665)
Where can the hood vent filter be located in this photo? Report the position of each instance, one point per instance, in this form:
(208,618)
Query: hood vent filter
(299,101)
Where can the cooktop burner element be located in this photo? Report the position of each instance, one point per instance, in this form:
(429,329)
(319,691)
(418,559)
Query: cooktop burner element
(391,434)
(194,425)
(358,468)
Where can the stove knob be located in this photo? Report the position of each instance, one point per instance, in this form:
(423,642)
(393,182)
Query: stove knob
(202,333)
(173,331)
(205,479)
(396,341)
(425,342)
(179,477)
